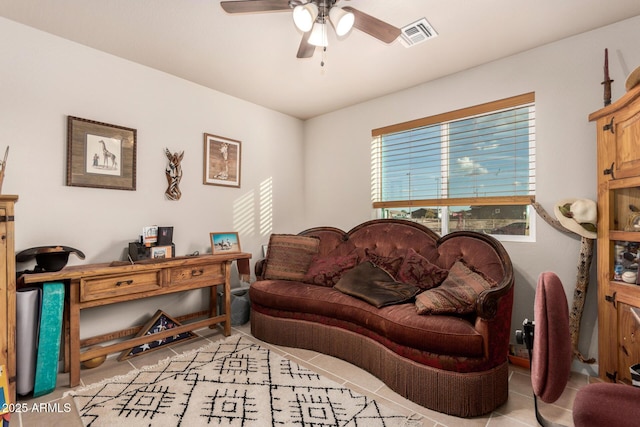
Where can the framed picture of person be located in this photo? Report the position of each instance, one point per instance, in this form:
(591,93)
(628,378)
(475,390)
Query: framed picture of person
(224,243)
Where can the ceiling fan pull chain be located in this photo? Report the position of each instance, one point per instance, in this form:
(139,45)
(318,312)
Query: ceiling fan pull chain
(324,48)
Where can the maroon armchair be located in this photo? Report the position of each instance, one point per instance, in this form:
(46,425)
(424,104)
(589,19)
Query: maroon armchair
(601,404)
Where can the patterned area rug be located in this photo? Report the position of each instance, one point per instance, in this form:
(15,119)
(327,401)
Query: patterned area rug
(234,382)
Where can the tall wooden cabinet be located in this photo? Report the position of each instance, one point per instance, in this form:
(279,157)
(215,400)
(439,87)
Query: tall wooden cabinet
(8,291)
(618,135)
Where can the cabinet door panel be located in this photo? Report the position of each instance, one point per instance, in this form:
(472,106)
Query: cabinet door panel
(628,340)
(627,153)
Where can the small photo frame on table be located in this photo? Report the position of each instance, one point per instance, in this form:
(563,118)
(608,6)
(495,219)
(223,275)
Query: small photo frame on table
(150,235)
(165,236)
(100,155)
(158,252)
(224,243)
(222,161)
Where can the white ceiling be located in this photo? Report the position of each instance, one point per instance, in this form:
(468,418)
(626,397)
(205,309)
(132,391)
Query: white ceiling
(253,56)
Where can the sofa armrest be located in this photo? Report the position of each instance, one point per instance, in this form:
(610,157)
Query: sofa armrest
(259,268)
(487,302)
(494,324)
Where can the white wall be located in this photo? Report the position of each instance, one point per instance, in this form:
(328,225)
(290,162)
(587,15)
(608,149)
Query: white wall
(43,79)
(566,78)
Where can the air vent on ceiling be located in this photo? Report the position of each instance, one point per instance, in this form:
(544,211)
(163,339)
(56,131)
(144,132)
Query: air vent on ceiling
(417,32)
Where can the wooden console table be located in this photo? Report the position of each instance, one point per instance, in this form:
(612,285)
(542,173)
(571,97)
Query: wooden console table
(96,285)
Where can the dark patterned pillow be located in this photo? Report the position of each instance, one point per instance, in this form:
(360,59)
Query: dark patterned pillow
(374,285)
(419,271)
(390,263)
(456,295)
(289,256)
(327,270)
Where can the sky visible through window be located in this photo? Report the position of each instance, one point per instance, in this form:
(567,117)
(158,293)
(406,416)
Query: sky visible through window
(483,156)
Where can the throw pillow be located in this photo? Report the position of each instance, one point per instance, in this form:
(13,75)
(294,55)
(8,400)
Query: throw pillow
(375,286)
(327,270)
(289,256)
(456,295)
(390,263)
(419,271)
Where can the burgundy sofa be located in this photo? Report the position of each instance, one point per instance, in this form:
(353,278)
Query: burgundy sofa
(451,363)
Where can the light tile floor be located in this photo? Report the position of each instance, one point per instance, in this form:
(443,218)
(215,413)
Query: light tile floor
(55,410)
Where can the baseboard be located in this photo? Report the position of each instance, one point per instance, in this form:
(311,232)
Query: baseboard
(591,369)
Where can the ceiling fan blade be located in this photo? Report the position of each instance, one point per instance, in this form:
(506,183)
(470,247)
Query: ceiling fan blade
(306,49)
(373,26)
(248,6)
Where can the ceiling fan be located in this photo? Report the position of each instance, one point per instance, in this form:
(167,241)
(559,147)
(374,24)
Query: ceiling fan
(312,16)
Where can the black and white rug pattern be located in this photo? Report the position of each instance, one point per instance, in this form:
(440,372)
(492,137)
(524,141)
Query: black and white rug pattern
(233,382)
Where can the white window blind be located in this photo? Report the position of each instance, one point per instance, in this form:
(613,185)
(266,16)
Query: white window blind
(483,155)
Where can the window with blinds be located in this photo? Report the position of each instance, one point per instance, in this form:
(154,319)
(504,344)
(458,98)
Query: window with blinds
(468,169)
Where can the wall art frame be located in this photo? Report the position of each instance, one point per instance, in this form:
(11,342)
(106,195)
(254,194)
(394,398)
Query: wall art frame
(100,155)
(224,243)
(222,161)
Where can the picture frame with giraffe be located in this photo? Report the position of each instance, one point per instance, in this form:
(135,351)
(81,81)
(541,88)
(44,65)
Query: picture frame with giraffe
(222,161)
(100,155)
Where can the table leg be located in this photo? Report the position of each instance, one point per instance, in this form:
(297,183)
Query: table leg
(213,303)
(65,334)
(74,333)
(227,298)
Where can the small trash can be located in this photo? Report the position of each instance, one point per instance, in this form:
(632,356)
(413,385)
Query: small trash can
(240,305)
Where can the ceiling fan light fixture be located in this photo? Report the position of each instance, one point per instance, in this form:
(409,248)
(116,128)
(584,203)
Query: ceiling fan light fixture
(304,15)
(318,35)
(342,20)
